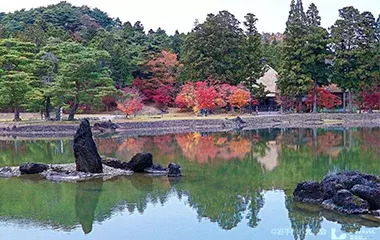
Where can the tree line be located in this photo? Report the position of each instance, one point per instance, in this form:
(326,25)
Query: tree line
(80,59)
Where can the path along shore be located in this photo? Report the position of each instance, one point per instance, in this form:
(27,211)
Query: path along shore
(199,124)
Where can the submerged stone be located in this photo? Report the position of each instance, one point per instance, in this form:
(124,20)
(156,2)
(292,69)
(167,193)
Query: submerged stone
(33,168)
(156,169)
(174,170)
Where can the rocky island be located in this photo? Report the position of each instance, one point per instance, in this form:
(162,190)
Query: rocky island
(346,192)
(90,165)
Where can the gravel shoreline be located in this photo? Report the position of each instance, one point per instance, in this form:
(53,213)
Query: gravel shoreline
(324,120)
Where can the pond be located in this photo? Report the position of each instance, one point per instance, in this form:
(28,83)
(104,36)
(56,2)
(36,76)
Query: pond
(236,185)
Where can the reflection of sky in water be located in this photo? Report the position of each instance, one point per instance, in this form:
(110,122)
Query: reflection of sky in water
(176,220)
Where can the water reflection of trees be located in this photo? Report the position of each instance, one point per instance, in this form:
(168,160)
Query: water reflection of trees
(14,152)
(225,175)
(307,219)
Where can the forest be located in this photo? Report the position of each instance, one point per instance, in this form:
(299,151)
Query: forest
(80,60)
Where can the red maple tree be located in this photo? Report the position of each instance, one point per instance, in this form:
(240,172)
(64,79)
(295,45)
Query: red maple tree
(158,87)
(371,99)
(325,99)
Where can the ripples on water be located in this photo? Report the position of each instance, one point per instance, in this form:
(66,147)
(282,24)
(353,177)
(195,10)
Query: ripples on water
(236,186)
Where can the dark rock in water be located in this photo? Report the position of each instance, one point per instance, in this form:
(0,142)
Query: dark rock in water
(140,162)
(156,169)
(115,163)
(106,126)
(86,154)
(348,192)
(349,179)
(33,168)
(346,180)
(370,194)
(309,192)
(174,170)
(345,202)
(331,188)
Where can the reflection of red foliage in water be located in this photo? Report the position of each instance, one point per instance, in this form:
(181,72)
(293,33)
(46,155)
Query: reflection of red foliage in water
(212,148)
(326,142)
(371,140)
(130,147)
(107,145)
(164,143)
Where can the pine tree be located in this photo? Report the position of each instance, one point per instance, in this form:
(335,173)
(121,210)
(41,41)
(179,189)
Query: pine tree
(83,75)
(17,68)
(293,80)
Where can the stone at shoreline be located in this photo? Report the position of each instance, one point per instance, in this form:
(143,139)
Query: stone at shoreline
(309,192)
(174,170)
(67,173)
(348,192)
(144,159)
(370,194)
(106,126)
(140,162)
(345,202)
(33,168)
(86,154)
(114,162)
(7,172)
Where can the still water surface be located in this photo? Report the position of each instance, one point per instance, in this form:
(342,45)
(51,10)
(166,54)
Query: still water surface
(235,186)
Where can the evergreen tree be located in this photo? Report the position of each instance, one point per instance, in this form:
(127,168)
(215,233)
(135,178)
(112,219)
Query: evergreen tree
(176,43)
(316,52)
(83,75)
(213,49)
(353,36)
(293,80)
(253,66)
(17,67)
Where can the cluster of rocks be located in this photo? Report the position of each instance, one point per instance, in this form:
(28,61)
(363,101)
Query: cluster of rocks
(143,163)
(89,164)
(347,192)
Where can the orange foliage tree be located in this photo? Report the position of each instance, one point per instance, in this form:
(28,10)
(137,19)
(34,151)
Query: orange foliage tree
(240,98)
(131,101)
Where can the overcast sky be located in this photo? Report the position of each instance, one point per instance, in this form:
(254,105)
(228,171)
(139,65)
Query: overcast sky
(179,14)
